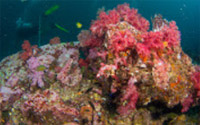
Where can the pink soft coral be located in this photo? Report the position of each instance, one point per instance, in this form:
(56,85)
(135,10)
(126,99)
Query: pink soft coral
(102,54)
(143,51)
(70,74)
(107,70)
(28,50)
(35,76)
(99,27)
(130,96)
(63,74)
(93,53)
(153,40)
(132,17)
(123,12)
(13,80)
(171,34)
(124,36)
(186,103)
(121,40)
(195,77)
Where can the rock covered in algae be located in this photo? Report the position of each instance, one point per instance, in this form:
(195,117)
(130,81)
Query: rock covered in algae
(130,76)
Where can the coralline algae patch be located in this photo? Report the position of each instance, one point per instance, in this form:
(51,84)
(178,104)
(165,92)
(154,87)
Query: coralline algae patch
(130,75)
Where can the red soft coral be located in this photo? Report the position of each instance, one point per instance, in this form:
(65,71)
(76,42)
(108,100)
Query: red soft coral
(26,46)
(28,52)
(123,9)
(99,27)
(130,96)
(171,34)
(186,103)
(102,54)
(143,51)
(196,80)
(132,17)
(83,63)
(121,40)
(153,40)
(55,40)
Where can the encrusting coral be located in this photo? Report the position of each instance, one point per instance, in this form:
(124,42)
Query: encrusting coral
(128,75)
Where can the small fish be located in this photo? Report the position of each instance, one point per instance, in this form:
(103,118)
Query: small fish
(78,25)
(41,68)
(61,28)
(51,10)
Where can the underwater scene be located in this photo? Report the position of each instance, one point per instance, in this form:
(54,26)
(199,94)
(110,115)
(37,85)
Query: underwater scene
(99,62)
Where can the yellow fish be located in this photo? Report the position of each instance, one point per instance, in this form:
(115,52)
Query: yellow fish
(41,68)
(78,25)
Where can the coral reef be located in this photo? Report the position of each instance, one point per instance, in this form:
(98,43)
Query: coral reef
(127,75)
(153,58)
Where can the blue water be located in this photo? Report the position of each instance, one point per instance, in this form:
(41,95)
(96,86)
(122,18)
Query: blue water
(185,12)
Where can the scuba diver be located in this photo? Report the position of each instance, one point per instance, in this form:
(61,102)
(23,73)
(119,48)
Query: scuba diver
(27,25)
(25,29)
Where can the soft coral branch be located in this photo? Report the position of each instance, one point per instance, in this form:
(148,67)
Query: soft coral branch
(28,50)
(132,17)
(121,40)
(100,26)
(130,96)
(195,77)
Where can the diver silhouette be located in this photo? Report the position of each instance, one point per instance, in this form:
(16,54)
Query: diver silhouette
(25,29)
